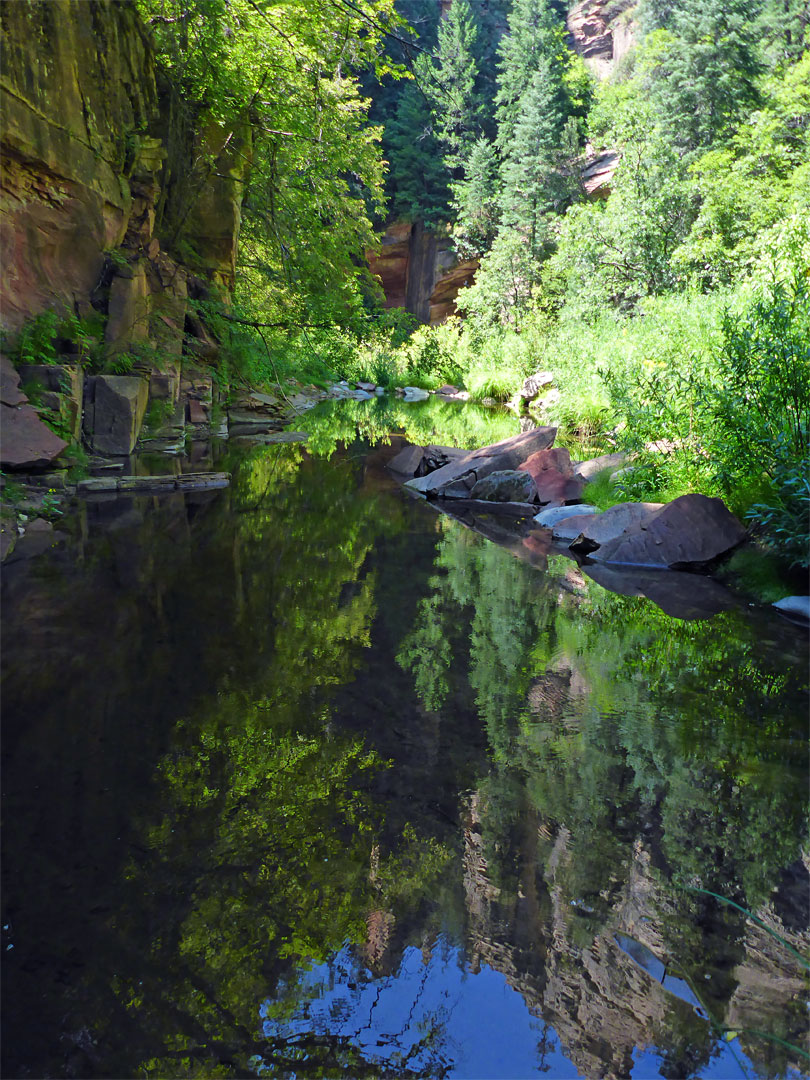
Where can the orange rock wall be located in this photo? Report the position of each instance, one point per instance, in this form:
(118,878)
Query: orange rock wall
(419,272)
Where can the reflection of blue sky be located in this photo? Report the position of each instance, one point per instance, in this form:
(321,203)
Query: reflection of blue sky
(475,1025)
(441,1016)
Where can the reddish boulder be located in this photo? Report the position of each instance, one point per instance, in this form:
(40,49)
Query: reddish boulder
(553,475)
(25,441)
(690,531)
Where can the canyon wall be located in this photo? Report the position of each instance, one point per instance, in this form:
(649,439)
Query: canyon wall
(94,208)
(419,271)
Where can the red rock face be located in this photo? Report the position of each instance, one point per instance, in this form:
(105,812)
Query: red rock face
(419,272)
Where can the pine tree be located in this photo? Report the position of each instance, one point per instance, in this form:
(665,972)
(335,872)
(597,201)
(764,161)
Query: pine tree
(533,183)
(450,85)
(535,35)
(476,201)
(417,174)
(704,69)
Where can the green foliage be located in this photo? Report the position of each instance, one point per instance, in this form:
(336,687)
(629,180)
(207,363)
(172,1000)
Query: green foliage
(703,69)
(52,336)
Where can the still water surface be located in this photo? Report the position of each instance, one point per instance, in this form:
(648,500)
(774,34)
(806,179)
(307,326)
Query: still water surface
(305,780)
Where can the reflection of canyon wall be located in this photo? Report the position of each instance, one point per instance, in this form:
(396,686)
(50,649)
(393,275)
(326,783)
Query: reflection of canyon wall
(602,1005)
(419,271)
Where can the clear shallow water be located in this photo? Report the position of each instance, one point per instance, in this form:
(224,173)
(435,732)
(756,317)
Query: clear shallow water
(303,779)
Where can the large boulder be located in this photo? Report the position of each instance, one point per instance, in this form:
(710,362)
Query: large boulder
(692,530)
(467,470)
(593,532)
(553,475)
(509,485)
(25,441)
(114,412)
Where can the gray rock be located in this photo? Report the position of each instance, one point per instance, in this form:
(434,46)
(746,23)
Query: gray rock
(362,395)
(119,404)
(794,605)
(407,461)
(415,393)
(380,391)
(611,524)
(534,384)
(369,387)
(551,515)
(588,469)
(508,485)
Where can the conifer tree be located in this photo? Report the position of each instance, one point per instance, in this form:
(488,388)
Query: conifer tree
(450,85)
(533,183)
(476,201)
(704,69)
(535,34)
(417,173)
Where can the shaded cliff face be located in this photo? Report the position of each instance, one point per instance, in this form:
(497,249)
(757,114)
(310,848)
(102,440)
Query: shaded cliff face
(77,85)
(419,271)
(84,166)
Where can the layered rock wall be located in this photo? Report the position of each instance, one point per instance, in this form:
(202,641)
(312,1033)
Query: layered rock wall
(104,207)
(419,271)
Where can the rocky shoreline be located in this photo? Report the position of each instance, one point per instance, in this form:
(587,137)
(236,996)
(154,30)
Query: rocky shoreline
(525,494)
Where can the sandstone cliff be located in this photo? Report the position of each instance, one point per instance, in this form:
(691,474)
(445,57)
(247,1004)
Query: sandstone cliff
(419,271)
(105,209)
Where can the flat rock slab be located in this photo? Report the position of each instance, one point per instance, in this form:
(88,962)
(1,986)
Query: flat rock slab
(609,525)
(692,530)
(197,412)
(588,469)
(551,515)
(25,441)
(465,471)
(119,404)
(151,485)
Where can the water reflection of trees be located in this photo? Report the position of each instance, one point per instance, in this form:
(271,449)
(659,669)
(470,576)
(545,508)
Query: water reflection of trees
(624,757)
(664,754)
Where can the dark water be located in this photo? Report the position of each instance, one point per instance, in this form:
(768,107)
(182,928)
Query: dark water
(305,780)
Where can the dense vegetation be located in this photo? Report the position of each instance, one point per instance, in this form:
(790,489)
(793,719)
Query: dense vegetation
(676,311)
